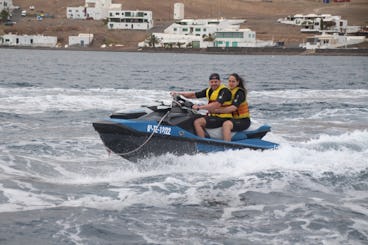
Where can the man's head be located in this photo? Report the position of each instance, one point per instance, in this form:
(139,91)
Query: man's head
(214,81)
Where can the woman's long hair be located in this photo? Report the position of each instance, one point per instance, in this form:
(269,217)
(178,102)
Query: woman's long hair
(240,80)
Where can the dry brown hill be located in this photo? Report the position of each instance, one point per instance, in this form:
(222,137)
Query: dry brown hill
(261,16)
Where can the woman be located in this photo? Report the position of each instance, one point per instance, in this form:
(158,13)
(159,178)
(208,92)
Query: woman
(238,108)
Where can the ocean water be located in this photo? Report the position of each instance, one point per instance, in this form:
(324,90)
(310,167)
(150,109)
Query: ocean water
(58,185)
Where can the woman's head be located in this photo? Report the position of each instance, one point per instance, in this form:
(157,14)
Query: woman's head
(235,81)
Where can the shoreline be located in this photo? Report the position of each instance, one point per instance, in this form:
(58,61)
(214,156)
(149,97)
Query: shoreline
(222,51)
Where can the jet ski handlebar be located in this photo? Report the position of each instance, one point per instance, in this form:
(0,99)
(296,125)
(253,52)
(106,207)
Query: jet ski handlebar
(181,101)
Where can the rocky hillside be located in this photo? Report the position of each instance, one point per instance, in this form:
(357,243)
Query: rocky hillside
(261,16)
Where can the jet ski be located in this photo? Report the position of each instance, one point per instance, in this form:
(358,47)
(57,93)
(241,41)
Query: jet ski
(159,129)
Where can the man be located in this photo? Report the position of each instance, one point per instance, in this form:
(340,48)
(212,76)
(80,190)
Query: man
(218,96)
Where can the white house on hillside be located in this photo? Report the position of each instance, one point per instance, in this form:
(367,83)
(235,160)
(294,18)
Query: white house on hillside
(299,19)
(239,39)
(331,41)
(202,27)
(320,23)
(82,40)
(28,40)
(94,9)
(6,4)
(128,19)
(332,24)
(203,33)
(178,11)
(76,12)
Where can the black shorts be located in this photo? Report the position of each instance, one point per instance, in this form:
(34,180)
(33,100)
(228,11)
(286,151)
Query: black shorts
(215,122)
(240,124)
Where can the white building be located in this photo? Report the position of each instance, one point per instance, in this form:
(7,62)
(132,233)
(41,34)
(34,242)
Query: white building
(178,11)
(203,33)
(330,41)
(239,39)
(332,24)
(166,40)
(6,4)
(299,19)
(93,9)
(76,12)
(202,27)
(83,39)
(320,23)
(28,40)
(128,19)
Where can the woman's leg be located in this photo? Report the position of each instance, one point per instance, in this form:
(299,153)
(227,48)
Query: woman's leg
(227,126)
(241,124)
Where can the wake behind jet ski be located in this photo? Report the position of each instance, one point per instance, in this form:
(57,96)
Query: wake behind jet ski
(159,129)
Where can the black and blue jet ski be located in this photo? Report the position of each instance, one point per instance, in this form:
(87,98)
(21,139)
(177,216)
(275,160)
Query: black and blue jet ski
(160,129)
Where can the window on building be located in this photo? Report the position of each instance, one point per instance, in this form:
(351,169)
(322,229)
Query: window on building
(175,29)
(140,14)
(197,29)
(128,14)
(229,34)
(185,29)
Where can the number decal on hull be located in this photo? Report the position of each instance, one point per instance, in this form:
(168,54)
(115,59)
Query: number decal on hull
(158,130)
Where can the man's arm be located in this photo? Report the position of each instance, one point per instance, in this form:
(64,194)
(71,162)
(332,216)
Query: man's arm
(189,95)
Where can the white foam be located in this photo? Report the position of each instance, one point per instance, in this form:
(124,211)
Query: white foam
(39,100)
(307,95)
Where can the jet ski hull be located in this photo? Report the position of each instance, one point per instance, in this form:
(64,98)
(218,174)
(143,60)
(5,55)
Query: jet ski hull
(134,139)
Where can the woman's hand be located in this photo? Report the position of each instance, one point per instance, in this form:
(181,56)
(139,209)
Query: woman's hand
(213,111)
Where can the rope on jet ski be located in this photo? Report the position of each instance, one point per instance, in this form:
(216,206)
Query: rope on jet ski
(147,140)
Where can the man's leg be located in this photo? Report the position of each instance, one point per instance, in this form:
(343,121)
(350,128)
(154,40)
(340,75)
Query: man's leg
(199,125)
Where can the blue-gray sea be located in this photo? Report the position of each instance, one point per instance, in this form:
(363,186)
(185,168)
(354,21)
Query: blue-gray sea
(58,184)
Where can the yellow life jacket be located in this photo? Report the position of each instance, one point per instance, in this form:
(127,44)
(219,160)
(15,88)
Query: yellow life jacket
(243,110)
(213,98)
